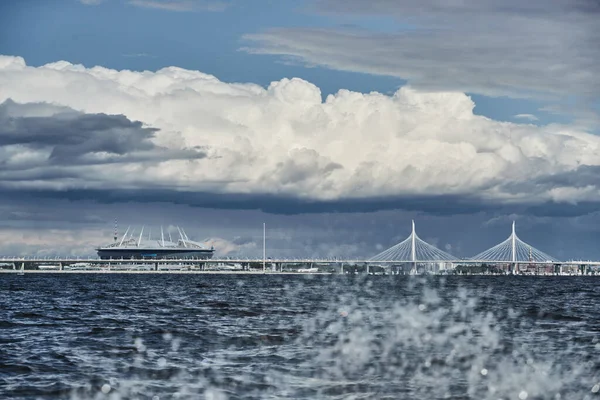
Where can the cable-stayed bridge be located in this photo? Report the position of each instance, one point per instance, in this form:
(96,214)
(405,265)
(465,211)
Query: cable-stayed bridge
(412,251)
(514,250)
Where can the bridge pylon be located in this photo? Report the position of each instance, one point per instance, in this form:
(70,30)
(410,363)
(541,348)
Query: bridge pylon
(513,251)
(413,250)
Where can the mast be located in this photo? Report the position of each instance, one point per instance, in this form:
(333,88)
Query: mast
(115,234)
(124,236)
(162,236)
(140,239)
(182,238)
(264,247)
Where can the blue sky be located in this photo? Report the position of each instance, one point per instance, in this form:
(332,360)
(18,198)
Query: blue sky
(120,35)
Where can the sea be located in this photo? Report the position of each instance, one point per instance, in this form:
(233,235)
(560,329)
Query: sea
(227,336)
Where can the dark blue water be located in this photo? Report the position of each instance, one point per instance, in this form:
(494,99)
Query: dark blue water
(120,336)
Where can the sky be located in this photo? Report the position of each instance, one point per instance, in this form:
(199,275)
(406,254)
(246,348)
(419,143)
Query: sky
(334,122)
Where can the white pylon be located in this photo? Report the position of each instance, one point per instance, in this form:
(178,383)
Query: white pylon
(413,251)
(514,247)
(513,251)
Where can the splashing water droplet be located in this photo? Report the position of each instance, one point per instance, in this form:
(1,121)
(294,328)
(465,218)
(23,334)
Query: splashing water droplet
(214,394)
(596,388)
(484,372)
(523,395)
(139,345)
(105,388)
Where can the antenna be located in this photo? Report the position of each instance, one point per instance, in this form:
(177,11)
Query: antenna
(264,247)
(115,235)
(162,236)
(140,239)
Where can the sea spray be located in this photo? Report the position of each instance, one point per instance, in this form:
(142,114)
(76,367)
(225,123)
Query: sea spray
(279,337)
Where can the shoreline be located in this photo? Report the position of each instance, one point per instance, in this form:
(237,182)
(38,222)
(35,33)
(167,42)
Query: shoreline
(18,272)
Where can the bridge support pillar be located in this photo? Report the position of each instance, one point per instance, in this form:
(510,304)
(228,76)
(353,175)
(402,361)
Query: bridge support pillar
(14,266)
(342,268)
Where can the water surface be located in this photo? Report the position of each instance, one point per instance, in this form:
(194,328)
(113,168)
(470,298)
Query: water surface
(95,336)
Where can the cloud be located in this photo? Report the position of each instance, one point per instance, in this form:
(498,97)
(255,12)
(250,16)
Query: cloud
(59,227)
(281,148)
(70,134)
(30,224)
(181,5)
(225,248)
(63,147)
(542,49)
(529,117)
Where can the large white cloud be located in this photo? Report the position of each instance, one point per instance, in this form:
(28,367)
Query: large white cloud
(285,140)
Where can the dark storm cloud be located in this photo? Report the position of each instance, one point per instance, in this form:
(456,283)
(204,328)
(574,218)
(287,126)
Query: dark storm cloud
(72,137)
(292,235)
(63,141)
(440,205)
(72,134)
(582,176)
(275,204)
